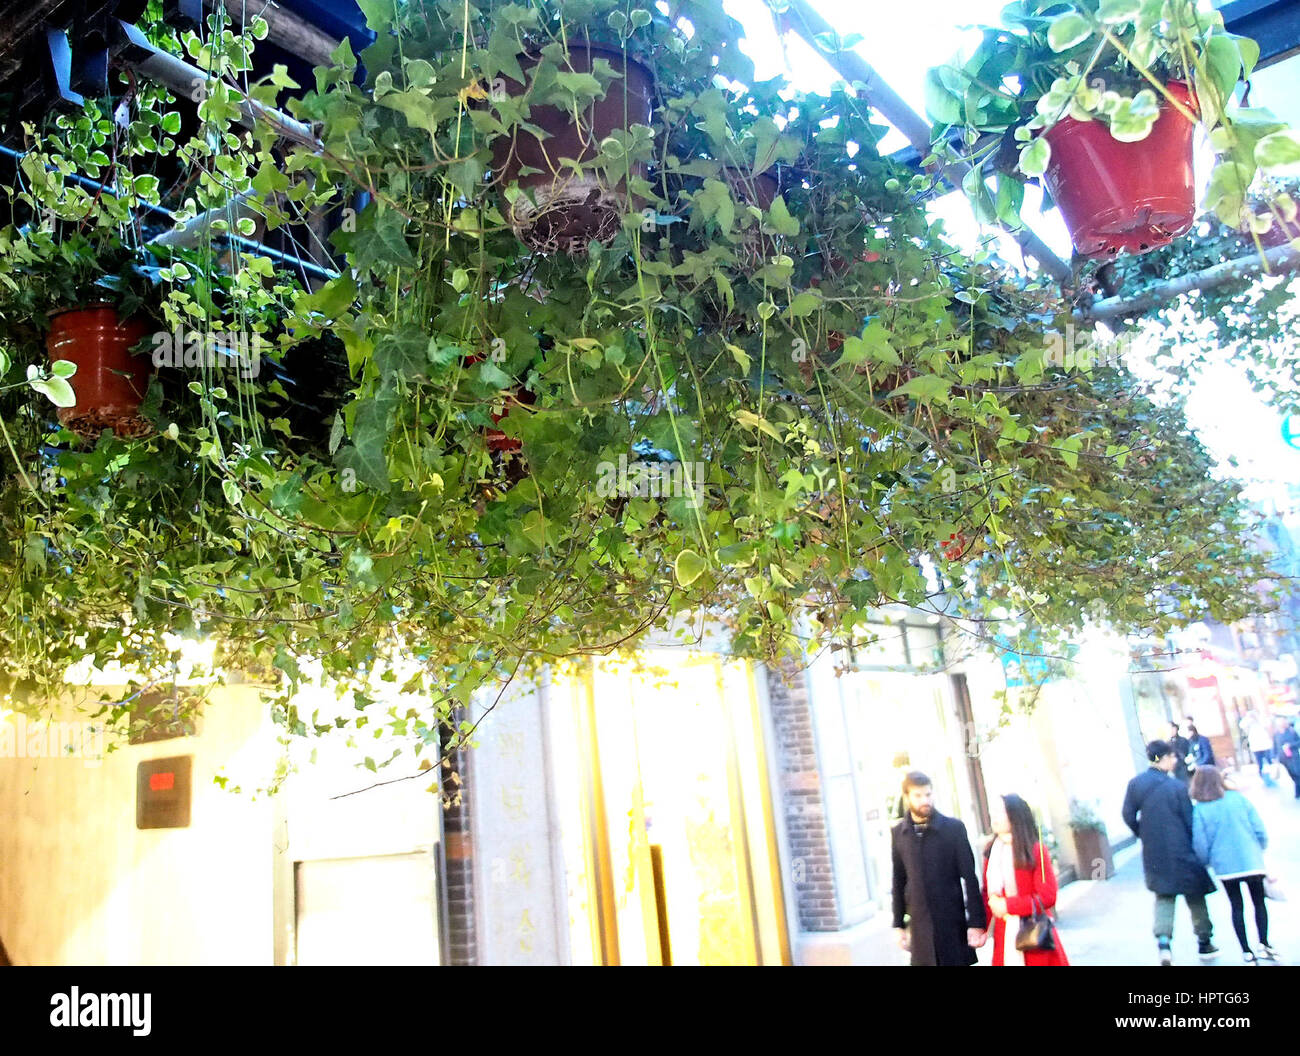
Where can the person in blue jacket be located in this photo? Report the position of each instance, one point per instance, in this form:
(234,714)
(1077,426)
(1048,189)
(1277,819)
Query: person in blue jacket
(1229,837)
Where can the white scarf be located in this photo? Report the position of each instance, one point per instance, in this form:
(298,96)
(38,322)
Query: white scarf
(1002,881)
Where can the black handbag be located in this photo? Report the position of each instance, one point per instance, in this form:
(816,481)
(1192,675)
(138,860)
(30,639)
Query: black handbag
(1036,931)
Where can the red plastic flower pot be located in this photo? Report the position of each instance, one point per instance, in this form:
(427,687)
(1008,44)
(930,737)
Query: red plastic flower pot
(558,208)
(110,383)
(1124,197)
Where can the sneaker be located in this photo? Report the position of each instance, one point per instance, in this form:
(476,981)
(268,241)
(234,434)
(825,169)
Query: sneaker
(1248,957)
(1166,955)
(1268,953)
(1207,951)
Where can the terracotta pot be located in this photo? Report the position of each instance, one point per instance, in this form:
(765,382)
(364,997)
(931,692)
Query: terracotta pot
(559,209)
(110,383)
(1124,197)
(496,439)
(760,190)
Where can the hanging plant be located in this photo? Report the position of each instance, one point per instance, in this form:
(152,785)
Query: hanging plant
(1100,98)
(699,439)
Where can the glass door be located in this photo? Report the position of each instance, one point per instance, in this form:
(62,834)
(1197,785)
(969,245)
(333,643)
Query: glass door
(682,858)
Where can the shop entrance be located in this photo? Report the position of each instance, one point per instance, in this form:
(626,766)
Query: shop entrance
(670,846)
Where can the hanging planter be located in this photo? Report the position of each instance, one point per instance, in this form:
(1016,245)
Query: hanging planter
(1119,197)
(760,190)
(558,207)
(109,383)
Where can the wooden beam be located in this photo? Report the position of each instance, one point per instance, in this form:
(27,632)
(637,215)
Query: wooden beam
(1281,259)
(805,21)
(285,29)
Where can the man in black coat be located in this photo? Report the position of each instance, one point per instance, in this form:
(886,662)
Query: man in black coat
(938,907)
(1159,811)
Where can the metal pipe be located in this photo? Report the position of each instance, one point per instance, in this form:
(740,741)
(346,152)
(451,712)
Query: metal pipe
(854,69)
(163,239)
(185,80)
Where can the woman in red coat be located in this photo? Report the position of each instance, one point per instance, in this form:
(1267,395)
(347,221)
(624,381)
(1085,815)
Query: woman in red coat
(1018,870)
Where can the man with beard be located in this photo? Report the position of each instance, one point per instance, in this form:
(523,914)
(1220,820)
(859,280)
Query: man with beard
(938,908)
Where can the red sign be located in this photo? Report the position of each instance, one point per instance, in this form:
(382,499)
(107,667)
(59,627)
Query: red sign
(162,782)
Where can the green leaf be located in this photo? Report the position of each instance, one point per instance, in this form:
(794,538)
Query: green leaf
(365,455)
(59,391)
(925,387)
(1278,152)
(688,567)
(62,368)
(1223,56)
(1249,50)
(280,77)
(980,199)
(1113,12)
(1068,30)
(873,345)
(1010,197)
(387,241)
(403,352)
(942,107)
(752,421)
(804,303)
(379,13)
(780,220)
(1035,157)
(231,491)
(1132,119)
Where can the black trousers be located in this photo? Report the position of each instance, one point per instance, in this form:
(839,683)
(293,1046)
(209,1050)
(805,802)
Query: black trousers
(1255,884)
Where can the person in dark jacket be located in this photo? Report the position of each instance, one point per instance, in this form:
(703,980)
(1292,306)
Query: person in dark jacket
(1182,748)
(938,906)
(1286,750)
(1159,811)
(1201,751)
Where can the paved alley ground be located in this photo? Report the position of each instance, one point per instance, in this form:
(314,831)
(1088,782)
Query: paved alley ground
(1109,922)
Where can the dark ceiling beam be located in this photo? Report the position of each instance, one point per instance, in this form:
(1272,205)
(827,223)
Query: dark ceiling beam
(1273,24)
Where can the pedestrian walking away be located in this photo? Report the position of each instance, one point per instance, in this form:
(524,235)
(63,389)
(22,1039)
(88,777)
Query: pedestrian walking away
(1286,749)
(938,908)
(1259,742)
(1018,880)
(1159,811)
(1182,749)
(1228,837)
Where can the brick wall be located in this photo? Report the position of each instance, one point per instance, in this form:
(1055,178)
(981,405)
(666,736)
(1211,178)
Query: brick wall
(810,874)
(458,860)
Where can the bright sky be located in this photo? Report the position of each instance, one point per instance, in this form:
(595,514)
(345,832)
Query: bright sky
(904,38)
